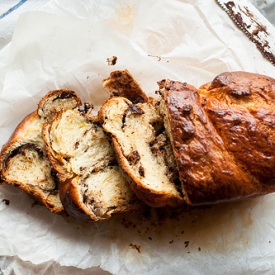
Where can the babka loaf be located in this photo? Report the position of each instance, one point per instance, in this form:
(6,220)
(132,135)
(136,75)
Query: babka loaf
(189,146)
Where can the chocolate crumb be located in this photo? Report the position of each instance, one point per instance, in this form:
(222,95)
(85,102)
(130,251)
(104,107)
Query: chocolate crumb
(134,246)
(76,145)
(199,249)
(186,243)
(112,61)
(133,157)
(135,109)
(7,202)
(141,171)
(171,241)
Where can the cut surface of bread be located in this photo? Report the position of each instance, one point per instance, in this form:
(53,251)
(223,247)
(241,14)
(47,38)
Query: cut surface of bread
(92,187)
(143,150)
(222,136)
(23,159)
(56,100)
(122,83)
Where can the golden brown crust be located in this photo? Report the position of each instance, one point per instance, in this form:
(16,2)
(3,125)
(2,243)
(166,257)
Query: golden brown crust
(69,195)
(121,83)
(241,105)
(25,139)
(218,157)
(241,87)
(18,131)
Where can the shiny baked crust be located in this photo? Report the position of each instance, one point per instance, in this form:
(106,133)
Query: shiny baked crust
(223,136)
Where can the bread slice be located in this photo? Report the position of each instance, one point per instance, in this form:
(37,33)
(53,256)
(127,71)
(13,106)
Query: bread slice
(121,83)
(23,160)
(222,136)
(92,187)
(143,150)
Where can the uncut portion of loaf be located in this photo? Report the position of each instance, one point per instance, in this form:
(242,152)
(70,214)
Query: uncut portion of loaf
(142,149)
(222,136)
(23,159)
(92,187)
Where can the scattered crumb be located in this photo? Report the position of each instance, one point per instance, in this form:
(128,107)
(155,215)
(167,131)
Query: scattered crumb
(171,241)
(157,56)
(199,249)
(112,61)
(186,243)
(150,238)
(6,201)
(134,246)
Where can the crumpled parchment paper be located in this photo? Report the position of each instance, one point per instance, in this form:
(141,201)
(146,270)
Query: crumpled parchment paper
(67,46)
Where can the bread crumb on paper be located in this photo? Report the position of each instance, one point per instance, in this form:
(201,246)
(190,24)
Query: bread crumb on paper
(6,201)
(112,61)
(157,56)
(135,246)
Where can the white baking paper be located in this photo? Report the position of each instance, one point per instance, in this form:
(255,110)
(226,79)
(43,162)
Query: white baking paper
(67,46)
